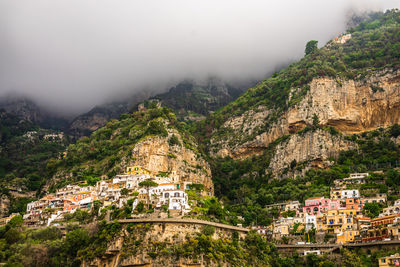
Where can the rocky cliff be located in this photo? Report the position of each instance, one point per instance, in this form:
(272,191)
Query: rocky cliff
(158,156)
(350,106)
(311,149)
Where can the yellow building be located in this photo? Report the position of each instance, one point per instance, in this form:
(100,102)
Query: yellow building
(352,212)
(137,170)
(335,223)
(336,193)
(393,260)
(346,236)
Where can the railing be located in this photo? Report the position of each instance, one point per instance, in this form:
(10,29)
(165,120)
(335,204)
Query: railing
(188,221)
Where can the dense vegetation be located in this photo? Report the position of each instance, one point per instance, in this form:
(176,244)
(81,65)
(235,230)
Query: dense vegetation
(47,247)
(25,149)
(248,187)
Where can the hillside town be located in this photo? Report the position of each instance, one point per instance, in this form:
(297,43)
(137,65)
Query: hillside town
(137,184)
(338,219)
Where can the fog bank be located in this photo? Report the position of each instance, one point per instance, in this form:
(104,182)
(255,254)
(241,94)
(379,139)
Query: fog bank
(72,54)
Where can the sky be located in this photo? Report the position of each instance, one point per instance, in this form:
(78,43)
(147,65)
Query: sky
(70,55)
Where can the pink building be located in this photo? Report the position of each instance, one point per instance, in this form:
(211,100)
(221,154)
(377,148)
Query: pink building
(318,205)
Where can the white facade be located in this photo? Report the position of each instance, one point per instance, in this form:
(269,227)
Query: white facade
(311,222)
(350,194)
(175,199)
(158,189)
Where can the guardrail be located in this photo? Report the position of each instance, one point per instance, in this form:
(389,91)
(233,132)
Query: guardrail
(188,221)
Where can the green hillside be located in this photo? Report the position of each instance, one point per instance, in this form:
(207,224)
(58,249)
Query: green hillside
(374,46)
(101,152)
(25,149)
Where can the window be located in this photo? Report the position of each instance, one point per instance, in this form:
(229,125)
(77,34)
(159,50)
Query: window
(176,194)
(166,194)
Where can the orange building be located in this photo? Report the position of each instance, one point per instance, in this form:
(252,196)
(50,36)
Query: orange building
(353,204)
(85,194)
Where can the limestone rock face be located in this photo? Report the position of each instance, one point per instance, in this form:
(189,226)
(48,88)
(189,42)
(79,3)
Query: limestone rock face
(351,106)
(239,129)
(155,154)
(313,147)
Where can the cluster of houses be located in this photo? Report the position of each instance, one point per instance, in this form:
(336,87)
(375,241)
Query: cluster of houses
(165,192)
(340,216)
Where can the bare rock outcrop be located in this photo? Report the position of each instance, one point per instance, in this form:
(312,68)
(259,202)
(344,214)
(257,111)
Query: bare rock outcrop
(313,148)
(348,105)
(158,156)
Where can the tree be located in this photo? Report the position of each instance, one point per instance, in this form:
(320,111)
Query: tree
(372,209)
(395,130)
(351,259)
(315,121)
(76,240)
(124,192)
(174,140)
(311,46)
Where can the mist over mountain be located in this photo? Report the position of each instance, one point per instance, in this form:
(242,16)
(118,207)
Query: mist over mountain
(84,53)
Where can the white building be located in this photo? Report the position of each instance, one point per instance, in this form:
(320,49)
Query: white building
(175,199)
(350,194)
(157,190)
(311,222)
(356,178)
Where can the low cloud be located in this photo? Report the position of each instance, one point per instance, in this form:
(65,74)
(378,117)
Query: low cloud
(72,54)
